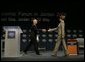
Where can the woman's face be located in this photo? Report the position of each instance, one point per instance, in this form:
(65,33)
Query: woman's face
(62,17)
(35,21)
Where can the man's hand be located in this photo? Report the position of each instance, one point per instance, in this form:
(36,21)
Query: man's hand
(44,30)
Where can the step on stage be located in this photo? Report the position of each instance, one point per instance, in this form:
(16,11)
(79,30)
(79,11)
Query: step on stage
(45,56)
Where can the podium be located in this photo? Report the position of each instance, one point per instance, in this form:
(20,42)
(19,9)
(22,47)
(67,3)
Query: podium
(12,41)
(72,46)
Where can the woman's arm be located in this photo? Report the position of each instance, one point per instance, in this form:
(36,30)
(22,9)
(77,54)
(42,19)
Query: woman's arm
(52,29)
(63,30)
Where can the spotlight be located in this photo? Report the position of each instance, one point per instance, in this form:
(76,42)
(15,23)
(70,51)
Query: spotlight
(44,40)
(50,40)
(24,40)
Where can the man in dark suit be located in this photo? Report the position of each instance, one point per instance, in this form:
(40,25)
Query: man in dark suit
(33,36)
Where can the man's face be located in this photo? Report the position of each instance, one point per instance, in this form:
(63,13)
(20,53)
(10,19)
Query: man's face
(35,21)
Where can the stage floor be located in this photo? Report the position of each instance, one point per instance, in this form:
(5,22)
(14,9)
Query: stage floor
(45,56)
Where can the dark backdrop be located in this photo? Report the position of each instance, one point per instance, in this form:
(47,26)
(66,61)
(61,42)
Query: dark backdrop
(74,10)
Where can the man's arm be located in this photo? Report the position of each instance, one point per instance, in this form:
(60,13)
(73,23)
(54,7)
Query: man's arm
(44,30)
